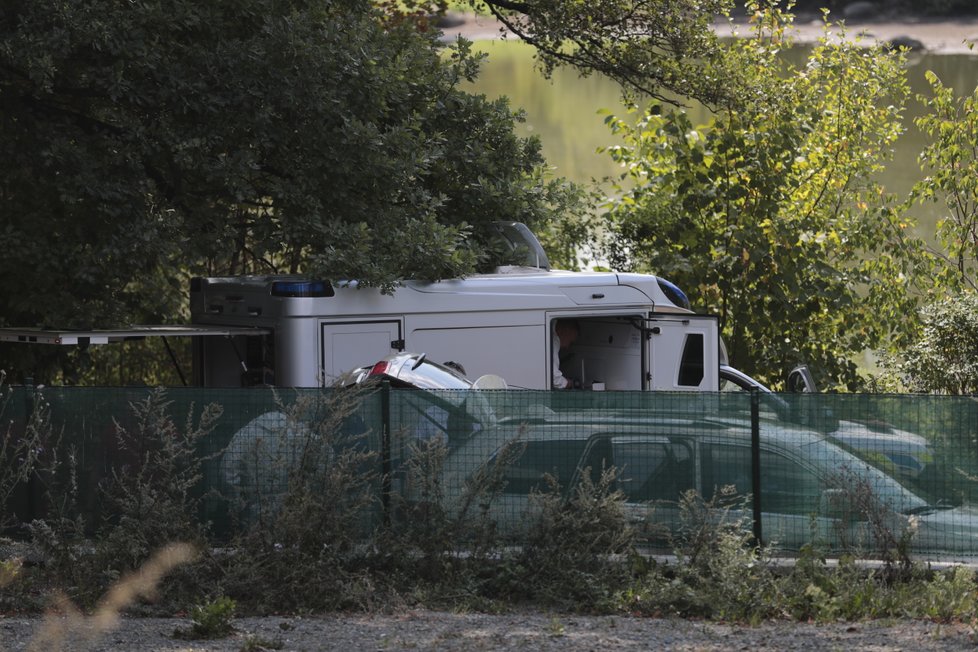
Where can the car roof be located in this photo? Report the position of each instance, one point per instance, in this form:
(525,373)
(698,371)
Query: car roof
(543,424)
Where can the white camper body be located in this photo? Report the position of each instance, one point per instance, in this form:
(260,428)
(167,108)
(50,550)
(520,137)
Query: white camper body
(635,331)
(632,335)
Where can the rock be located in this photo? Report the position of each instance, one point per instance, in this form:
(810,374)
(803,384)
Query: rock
(450,19)
(908,42)
(860,11)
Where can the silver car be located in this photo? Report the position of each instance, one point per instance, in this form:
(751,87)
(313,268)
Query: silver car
(810,488)
(896,451)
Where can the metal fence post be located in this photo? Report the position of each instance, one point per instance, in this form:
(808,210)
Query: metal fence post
(755,459)
(33,510)
(385,451)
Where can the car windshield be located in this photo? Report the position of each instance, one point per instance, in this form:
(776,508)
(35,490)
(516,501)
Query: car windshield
(429,375)
(444,383)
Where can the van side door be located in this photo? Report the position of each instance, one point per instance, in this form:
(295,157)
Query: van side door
(347,345)
(683,353)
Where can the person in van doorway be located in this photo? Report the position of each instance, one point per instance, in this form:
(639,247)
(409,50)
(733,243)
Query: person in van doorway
(565,334)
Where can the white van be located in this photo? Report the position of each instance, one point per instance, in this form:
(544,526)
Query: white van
(636,331)
(632,335)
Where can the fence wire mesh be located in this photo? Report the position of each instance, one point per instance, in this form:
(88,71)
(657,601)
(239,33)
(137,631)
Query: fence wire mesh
(851,473)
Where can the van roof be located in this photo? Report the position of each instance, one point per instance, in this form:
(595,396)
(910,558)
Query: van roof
(215,299)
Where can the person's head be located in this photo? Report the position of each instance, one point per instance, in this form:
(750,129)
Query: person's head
(567,330)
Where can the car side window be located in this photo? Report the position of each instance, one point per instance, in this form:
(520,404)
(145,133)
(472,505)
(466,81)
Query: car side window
(654,471)
(787,487)
(726,466)
(599,457)
(557,458)
(731,385)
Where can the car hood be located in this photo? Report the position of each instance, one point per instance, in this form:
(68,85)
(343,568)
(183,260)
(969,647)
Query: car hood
(947,530)
(860,435)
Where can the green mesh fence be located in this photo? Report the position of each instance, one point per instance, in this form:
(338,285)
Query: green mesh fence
(867,474)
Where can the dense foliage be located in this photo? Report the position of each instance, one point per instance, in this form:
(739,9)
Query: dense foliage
(944,358)
(146,142)
(662,48)
(950,162)
(143,141)
(769,216)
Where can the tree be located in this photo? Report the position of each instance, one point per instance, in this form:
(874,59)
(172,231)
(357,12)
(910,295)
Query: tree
(950,161)
(942,356)
(769,216)
(145,141)
(661,48)
(944,359)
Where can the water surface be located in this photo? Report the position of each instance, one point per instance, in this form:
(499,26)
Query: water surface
(564,113)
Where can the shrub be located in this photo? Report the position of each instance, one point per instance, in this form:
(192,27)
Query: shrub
(306,491)
(719,573)
(573,556)
(890,534)
(20,452)
(210,620)
(943,359)
(152,491)
(149,497)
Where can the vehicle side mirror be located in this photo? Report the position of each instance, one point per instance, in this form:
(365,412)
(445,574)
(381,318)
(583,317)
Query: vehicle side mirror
(809,412)
(801,380)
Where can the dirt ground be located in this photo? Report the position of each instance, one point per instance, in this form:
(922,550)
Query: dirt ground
(937,36)
(473,632)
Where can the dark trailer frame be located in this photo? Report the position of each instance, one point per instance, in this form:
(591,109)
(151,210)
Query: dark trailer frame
(68,337)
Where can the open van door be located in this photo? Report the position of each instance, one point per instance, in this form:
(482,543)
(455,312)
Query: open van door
(683,353)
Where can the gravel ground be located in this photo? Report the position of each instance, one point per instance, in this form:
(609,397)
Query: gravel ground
(431,630)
